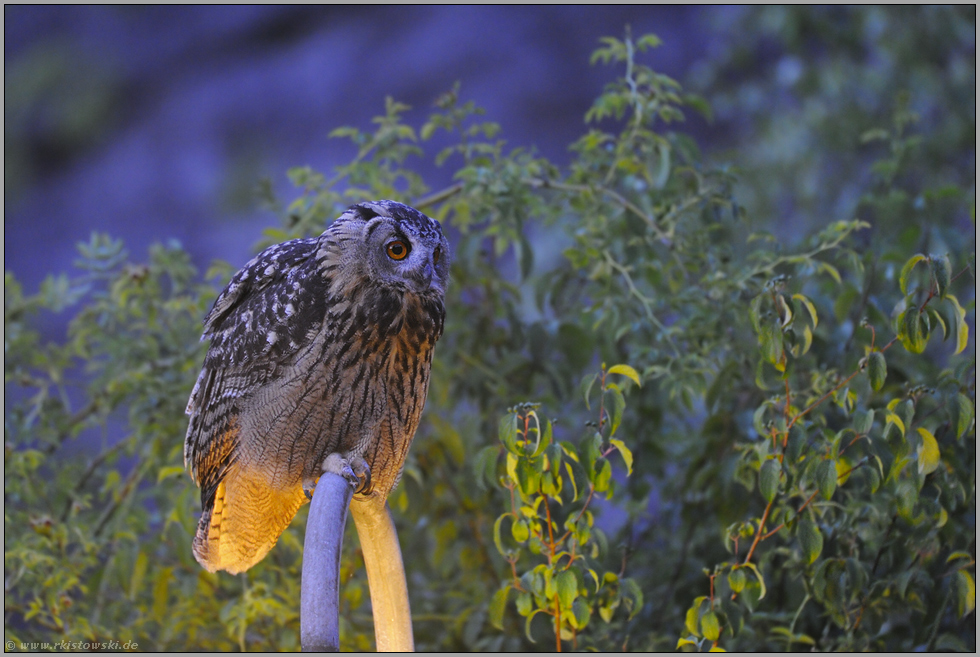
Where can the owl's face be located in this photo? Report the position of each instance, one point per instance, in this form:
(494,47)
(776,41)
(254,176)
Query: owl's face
(401,247)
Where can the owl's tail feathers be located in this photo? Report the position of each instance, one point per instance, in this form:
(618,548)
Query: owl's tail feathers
(244,522)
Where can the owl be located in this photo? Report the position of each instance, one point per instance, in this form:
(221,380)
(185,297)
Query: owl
(319,361)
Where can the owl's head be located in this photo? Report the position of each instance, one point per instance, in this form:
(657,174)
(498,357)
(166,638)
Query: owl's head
(397,246)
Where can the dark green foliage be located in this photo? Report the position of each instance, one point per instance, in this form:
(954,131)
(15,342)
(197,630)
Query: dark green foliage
(797,469)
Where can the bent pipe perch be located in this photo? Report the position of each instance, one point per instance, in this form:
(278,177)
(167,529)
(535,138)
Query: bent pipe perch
(320,585)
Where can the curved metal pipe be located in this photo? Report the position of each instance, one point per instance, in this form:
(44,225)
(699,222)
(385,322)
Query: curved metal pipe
(386,574)
(319,618)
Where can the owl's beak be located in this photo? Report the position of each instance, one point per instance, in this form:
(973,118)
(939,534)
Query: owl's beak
(423,277)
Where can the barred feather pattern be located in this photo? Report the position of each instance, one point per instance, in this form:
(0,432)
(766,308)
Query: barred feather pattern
(319,346)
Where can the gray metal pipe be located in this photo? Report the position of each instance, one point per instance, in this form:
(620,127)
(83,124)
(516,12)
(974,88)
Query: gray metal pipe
(319,619)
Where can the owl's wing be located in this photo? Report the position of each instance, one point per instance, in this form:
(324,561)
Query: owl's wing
(257,324)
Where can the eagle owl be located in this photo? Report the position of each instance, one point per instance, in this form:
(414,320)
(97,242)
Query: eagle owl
(319,361)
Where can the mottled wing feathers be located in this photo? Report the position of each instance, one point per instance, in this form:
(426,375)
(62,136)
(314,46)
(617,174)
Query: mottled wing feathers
(256,326)
(260,316)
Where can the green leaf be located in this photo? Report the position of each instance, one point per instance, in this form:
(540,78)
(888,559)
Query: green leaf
(941,271)
(736,580)
(863,421)
(877,370)
(906,409)
(686,641)
(520,530)
(507,432)
(874,477)
(527,624)
(632,596)
(755,312)
(691,619)
(795,638)
(571,478)
(960,554)
(485,465)
(903,279)
(161,591)
(827,478)
(966,593)
(928,453)
(626,371)
(936,319)
(139,572)
(544,438)
(962,329)
(771,341)
(906,496)
(762,583)
(757,418)
(807,340)
(590,450)
(811,540)
(567,588)
(497,539)
(524,603)
(526,256)
(809,306)
(169,471)
(529,476)
(548,439)
(625,453)
(581,614)
(874,134)
(769,479)
(911,333)
(512,461)
(498,604)
(586,387)
(553,452)
(795,444)
(892,418)
(710,627)
(784,311)
(961,414)
(831,270)
(616,406)
(603,475)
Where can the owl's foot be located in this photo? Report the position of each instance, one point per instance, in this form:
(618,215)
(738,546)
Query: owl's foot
(354,469)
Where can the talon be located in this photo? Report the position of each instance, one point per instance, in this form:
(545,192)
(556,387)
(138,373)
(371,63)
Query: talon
(363,472)
(338,465)
(309,487)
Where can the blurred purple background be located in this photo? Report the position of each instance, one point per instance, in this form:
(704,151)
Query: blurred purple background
(151,123)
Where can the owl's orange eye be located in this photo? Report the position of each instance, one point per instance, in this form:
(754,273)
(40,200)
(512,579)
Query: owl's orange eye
(436,255)
(396,250)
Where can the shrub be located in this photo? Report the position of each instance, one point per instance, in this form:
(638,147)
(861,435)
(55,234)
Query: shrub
(796,470)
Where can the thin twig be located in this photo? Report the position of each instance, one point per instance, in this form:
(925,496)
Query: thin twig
(758,534)
(625,203)
(96,462)
(438,197)
(128,487)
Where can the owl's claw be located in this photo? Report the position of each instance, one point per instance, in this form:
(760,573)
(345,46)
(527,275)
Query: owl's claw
(363,473)
(355,470)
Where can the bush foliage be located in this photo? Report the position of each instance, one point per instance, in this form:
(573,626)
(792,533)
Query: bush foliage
(652,422)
